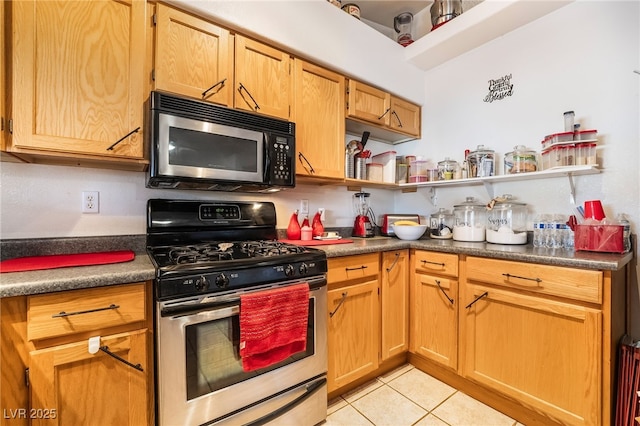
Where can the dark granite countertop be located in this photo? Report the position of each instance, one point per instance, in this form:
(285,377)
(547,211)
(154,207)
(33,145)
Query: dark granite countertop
(141,268)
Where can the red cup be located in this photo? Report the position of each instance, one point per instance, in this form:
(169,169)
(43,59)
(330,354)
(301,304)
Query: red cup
(593,210)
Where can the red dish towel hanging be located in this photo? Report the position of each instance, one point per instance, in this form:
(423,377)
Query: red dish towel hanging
(273,325)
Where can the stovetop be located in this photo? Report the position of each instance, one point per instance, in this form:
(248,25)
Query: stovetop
(204,247)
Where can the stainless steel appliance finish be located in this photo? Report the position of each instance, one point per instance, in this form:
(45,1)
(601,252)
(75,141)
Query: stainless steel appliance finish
(206,255)
(198,145)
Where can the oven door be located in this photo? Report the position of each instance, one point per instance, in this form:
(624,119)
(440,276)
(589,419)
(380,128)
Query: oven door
(200,378)
(198,149)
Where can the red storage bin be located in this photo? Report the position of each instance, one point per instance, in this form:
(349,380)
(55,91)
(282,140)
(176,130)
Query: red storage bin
(605,238)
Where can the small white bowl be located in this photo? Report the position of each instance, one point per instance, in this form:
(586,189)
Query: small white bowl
(409,232)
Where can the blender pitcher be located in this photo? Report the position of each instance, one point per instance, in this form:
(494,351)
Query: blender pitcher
(362,226)
(403,25)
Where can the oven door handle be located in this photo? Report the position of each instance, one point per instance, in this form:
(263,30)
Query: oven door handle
(311,389)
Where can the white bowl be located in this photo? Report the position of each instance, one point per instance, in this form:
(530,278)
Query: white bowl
(409,232)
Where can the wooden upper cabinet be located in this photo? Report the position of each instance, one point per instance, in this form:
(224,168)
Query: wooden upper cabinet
(389,113)
(78,85)
(263,81)
(320,127)
(193,57)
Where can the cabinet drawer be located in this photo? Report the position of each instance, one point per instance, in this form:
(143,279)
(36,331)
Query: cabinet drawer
(352,267)
(76,311)
(436,263)
(571,283)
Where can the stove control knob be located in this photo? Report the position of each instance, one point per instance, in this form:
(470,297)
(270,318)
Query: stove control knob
(202,284)
(289,270)
(222,281)
(303,269)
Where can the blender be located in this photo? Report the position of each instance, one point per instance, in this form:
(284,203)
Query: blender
(362,226)
(402,24)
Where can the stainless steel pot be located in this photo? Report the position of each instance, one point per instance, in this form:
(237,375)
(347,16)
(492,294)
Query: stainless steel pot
(444,10)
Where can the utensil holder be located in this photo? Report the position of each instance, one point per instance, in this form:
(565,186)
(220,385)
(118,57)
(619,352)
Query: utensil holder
(360,171)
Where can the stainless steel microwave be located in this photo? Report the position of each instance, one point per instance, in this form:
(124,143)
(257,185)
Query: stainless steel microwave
(199,145)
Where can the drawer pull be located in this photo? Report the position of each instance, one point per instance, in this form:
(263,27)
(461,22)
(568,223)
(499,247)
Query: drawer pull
(394,262)
(424,262)
(356,269)
(486,293)
(444,292)
(220,83)
(106,350)
(538,280)
(344,296)
(67,314)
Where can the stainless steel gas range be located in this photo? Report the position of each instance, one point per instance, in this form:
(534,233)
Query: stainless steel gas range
(207,255)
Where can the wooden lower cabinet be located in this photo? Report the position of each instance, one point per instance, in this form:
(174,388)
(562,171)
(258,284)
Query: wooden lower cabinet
(56,379)
(394,303)
(434,307)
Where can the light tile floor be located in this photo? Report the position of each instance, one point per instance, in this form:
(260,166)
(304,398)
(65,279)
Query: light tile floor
(407,396)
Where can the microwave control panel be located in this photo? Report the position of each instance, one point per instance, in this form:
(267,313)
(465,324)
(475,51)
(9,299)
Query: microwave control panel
(281,150)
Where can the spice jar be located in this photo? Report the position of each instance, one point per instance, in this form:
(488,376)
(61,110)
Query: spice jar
(470,220)
(507,221)
(441,224)
(447,169)
(481,162)
(520,160)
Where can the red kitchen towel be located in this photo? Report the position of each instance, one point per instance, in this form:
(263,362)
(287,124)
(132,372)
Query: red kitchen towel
(34,263)
(273,325)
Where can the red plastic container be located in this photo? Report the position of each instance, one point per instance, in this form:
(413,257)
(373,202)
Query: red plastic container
(605,238)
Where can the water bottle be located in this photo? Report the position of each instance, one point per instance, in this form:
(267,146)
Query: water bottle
(539,237)
(626,233)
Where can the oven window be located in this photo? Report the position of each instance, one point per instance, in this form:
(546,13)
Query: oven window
(213,360)
(212,151)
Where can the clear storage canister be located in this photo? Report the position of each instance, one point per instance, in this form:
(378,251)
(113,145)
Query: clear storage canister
(470,220)
(507,221)
(481,162)
(520,160)
(447,169)
(441,224)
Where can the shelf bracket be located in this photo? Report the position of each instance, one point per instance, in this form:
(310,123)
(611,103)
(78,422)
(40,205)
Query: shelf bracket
(572,187)
(489,188)
(433,196)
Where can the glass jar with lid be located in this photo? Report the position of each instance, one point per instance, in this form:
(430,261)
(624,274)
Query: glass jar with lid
(447,169)
(470,219)
(441,224)
(481,162)
(520,160)
(507,221)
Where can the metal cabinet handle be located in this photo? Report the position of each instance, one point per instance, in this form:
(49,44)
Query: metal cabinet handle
(356,269)
(538,280)
(397,118)
(220,83)
(394,262)
(486,293)
(385,113)
(240,88)
(67,314)
(432,263)
(136,130)
(106,350)
(444,292)
(302,157)
(344,297)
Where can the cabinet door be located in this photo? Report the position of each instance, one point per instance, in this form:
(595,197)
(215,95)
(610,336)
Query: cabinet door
(262,78)
(319,118)
(353,333)
(543,353)
(405,117)
(368,103)
(193,57)
(434,318)
(79,81)
(74,387)
(395,303)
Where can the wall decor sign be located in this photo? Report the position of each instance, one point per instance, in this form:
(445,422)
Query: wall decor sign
(499,89)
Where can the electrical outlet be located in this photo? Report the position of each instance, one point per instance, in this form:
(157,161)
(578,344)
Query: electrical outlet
(90,202)
(322,215)
(304,207)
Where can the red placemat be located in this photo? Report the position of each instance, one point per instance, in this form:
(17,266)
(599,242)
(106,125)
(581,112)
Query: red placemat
(317,242)
(34,263)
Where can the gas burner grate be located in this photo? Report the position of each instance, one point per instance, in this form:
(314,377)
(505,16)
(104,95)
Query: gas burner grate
(269,248)
(201,253)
